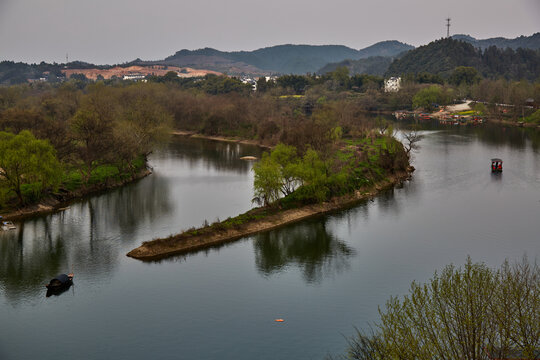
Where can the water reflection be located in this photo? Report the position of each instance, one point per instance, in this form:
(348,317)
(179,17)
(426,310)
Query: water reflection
(23,262)
(495,177)
(490,134)
(309,245)
(58,292)
(212,154)
(89,236)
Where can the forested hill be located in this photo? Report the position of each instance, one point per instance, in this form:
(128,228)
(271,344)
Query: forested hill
(525,42)
(373,60)
(374,65)
(441,57)
(284,59)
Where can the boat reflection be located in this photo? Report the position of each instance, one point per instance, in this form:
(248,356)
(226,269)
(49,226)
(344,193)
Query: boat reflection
(58,291)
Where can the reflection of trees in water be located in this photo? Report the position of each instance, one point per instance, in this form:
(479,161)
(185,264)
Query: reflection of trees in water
(501,135)
(26,262)
(493,134)
(124,210)
(308,245)
(90,236)
(212,154)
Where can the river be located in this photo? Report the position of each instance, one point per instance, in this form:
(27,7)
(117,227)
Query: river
(323,276)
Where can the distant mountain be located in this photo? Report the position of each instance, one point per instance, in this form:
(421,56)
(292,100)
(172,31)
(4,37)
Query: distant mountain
(441,57)
(374,65)
(283,59)
(385,48)
(375,59)
(525,42)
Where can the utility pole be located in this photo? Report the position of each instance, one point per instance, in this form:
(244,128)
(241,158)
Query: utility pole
(448,27)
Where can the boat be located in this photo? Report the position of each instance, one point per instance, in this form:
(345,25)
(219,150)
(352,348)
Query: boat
(496,165)
(6,225)
(61,281)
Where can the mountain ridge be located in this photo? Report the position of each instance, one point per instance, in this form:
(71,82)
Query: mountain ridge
(526,42)
(283,59)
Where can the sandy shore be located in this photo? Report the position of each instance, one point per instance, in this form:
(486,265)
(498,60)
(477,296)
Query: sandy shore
(194,240)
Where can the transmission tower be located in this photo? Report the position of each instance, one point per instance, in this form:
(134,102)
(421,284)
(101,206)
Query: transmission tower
(448,27)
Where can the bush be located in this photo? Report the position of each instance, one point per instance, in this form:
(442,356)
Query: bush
(467,313)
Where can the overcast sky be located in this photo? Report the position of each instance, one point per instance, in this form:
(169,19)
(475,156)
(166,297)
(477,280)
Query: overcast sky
(115,31)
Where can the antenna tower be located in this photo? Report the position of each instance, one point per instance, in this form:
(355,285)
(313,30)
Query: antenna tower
(67,59)
(448,27)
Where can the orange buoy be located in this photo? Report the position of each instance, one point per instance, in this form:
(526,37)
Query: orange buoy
(279,320)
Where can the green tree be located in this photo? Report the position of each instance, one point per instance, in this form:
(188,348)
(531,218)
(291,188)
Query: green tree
(534,118)
(464,75)
(27,160)
(286,157)
(429,96)
(267,181)
(340,78)
(471,313)
(313,174)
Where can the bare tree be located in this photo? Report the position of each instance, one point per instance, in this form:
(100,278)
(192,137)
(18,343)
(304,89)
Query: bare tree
(411,140)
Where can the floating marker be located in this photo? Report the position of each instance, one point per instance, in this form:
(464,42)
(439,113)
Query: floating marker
(279,320)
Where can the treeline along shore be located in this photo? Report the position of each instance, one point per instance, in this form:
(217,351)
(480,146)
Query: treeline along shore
(78,135)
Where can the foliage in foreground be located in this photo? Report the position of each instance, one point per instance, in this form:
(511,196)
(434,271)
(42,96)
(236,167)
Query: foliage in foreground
(469,313)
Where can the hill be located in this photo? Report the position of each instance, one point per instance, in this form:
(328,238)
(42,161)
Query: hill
(524,42)
(374,65)
(283,59)
(441,57)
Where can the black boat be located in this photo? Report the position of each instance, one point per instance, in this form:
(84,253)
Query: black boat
(60,282)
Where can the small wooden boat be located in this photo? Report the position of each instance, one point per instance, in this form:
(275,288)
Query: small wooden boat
(61,281)
(496,165)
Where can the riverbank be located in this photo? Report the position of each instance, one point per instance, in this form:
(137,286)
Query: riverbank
(58,201)
(254,221)
(195,135)
(452,109)
(514,123)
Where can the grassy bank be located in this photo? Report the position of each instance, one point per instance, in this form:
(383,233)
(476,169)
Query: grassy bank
(103,177)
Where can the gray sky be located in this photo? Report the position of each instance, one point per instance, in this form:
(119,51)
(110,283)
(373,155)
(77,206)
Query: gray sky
(115,31)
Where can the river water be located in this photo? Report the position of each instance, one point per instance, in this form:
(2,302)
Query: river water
(323,276)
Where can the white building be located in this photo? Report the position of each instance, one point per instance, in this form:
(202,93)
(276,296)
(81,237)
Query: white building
(392,85)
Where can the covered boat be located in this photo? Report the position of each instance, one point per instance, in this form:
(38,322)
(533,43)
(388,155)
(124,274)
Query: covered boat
(496,165)
(60,281)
